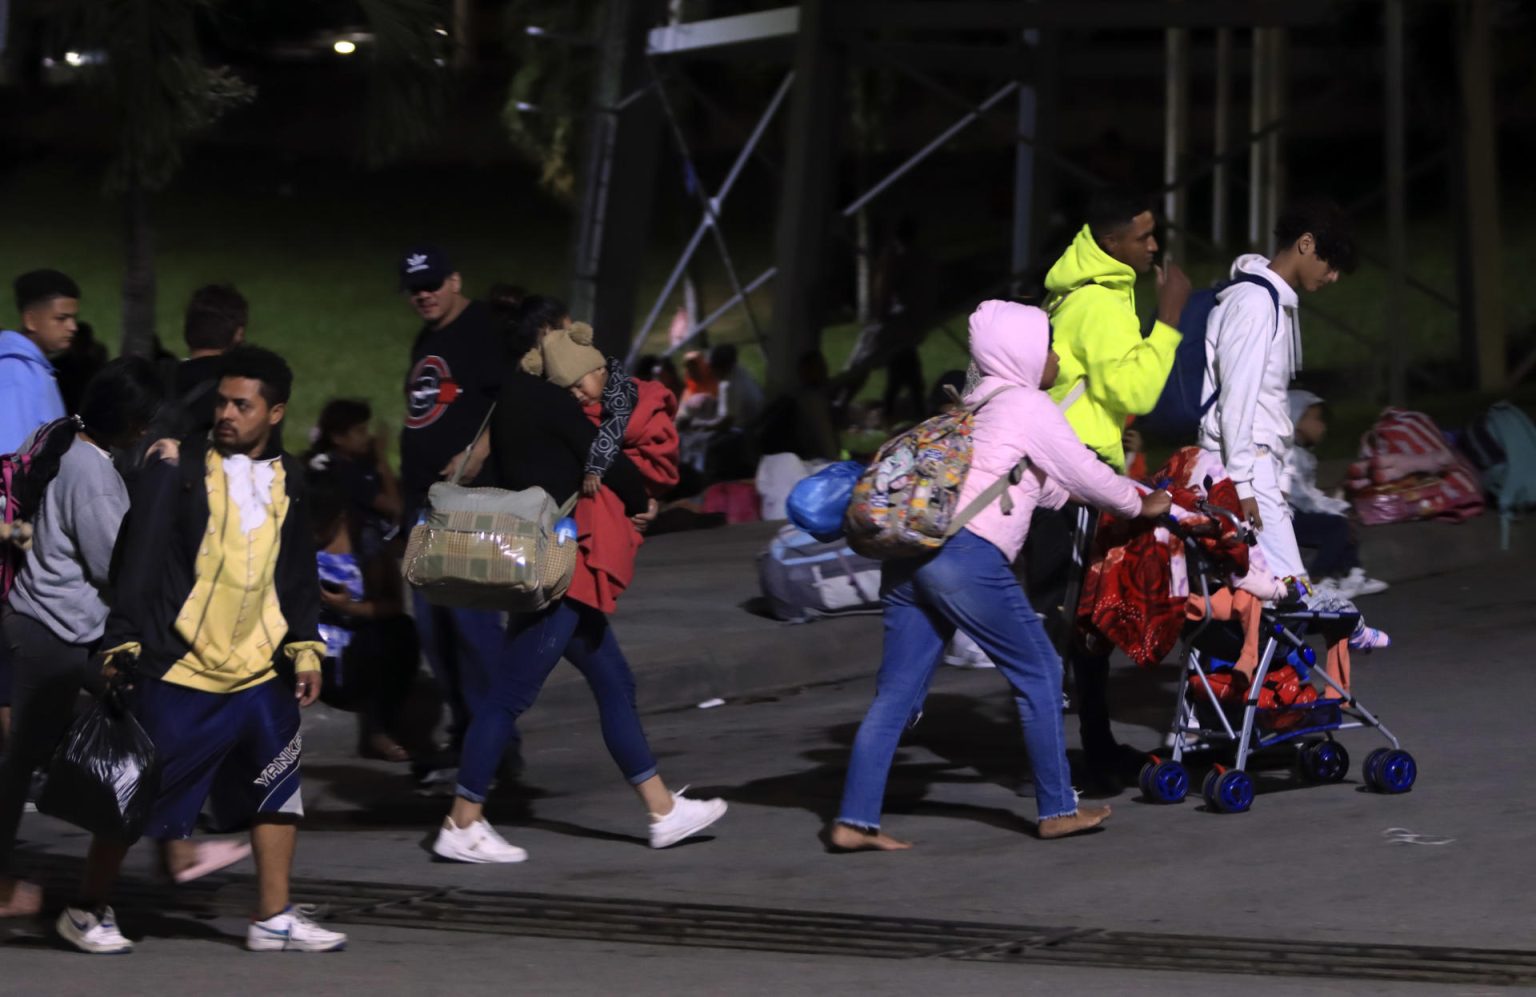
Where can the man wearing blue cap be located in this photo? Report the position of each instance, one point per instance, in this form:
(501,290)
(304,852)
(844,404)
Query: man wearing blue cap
(456,369)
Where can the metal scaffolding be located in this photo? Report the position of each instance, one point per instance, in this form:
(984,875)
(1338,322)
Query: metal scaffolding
(819,39)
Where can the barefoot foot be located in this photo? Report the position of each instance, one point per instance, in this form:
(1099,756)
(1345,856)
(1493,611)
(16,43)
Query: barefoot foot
(855,839)
(1085,819)
(20,898)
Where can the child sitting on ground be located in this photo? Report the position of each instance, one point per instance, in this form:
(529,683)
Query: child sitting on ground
(1321,521)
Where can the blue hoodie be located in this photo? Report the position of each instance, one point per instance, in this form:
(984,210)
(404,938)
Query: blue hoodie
(29,393)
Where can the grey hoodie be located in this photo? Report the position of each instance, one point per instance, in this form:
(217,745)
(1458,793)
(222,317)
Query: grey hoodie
(63,583)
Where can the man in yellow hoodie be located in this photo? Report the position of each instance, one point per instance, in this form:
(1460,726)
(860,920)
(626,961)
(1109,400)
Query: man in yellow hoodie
(1091,297)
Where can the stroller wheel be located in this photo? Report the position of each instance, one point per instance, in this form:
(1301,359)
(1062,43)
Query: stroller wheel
(1324,761)
(1164,781)
(1229,792)
(1390,770)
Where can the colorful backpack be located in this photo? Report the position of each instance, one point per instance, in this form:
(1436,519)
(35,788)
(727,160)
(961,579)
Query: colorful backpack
(906,504)
(24,475)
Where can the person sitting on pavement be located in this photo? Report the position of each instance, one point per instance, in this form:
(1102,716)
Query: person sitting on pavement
(219,664)
(1322,522)
(541,438)
(698,411)
(969,583)
(353,453)
(804,422)
(729,436)
(371,650)
(659,367)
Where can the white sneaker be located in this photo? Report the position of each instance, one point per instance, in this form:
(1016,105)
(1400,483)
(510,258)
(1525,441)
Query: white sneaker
(291,931)
(688,817)
(93,931)
(963,652)
(477,843)
(1359,583)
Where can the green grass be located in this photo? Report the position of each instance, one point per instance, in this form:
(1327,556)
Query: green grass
(314,251)
(318,266)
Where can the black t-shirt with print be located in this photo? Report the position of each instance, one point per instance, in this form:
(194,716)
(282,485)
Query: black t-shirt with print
(455,376)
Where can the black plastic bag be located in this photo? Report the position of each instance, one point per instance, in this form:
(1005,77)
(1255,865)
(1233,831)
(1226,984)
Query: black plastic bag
(104,776)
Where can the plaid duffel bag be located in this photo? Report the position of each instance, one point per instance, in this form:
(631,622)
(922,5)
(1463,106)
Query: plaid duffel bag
(489,548)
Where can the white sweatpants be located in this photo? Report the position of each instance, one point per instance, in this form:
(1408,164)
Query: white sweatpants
(1278,537)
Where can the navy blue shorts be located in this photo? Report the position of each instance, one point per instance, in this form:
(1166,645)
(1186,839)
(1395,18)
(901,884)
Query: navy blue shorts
(238,752)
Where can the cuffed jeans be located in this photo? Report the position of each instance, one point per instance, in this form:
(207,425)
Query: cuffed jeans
(461,646)
(968,585)
(534,646)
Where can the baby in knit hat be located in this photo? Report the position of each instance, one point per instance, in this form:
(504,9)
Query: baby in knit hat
(567,359)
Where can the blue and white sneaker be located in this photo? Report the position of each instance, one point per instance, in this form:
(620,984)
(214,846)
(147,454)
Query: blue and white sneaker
(291,931)
(93,931)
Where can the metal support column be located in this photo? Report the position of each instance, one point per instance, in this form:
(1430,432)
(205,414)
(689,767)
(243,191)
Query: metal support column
(1481,292)
(1175,131)
(1397,201)
(1024,175)
(1274,111)
(1258,162)
(806,202)
(1223,123)
(615,215)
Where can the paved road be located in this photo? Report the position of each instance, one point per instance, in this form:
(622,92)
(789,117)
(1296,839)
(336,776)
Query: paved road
(1448,865)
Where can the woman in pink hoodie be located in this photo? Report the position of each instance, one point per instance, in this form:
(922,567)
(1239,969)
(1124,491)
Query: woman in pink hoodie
(969,583)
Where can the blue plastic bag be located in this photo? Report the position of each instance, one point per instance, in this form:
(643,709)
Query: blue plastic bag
(817,503)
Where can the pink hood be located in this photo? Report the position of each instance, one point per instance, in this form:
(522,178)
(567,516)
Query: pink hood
(1009,343)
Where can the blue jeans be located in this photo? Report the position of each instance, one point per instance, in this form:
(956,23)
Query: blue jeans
(534,646)
(461,646)
(968,584)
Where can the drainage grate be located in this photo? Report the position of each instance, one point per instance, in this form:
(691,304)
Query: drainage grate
(538,915)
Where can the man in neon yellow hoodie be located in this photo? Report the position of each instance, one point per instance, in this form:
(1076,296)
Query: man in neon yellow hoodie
(1091,297)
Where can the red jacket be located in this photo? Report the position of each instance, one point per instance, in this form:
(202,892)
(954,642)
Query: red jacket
(608,541)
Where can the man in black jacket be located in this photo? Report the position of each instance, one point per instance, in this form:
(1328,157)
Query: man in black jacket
(216,608)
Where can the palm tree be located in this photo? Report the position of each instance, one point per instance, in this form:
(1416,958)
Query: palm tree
(160,93)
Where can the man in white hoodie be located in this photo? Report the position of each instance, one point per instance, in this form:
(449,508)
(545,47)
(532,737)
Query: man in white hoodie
(1253,349)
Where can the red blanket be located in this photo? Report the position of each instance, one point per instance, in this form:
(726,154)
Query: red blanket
(608,541)
(1129,594)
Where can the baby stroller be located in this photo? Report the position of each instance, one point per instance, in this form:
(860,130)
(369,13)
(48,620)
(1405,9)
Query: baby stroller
(1280,705)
